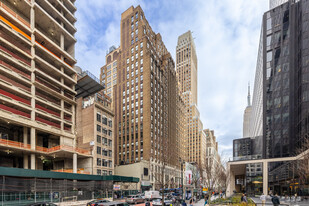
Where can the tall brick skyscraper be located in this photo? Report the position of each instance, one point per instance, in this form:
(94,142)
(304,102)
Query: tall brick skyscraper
(145,97)
(186,65)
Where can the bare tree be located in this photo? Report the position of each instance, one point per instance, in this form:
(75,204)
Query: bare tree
(300,167)
(165,169)
(214,174)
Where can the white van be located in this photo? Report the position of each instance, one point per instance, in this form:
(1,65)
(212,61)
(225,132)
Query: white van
(149,195)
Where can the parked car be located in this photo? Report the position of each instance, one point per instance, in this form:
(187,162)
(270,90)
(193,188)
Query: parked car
(96,202)
(42,204)
(142,195)
(113,203)
(150,195)
(134,199)
(158,202)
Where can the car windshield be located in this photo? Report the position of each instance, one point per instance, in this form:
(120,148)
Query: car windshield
(156,200)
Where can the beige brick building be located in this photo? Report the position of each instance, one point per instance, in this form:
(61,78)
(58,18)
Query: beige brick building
(95,132)
(37,81)
(108,72)
(186,66)
(146,99)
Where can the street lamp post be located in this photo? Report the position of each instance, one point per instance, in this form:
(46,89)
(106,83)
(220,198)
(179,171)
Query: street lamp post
(181,170)
(181,180)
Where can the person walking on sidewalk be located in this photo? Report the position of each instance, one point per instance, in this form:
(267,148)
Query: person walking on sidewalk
(263,199)
(206,199)
(275,200)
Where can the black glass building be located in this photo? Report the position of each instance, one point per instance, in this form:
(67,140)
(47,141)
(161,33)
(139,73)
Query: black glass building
(285,78)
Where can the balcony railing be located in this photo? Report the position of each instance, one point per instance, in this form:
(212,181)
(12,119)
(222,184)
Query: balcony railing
(67,128)
(15,83)
(27,76)
(47,84)
(79,171)
(5,93)
(14,111)
(25,22)
(14,144)
(15,56)
(9,38)
(68,118)
(22,145)
(46,98)
(47,110)
(48,122)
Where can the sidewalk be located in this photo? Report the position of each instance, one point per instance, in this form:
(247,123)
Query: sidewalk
(268,202)
(200,203)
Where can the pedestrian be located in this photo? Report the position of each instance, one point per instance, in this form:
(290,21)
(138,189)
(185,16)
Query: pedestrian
(191,201)
(244,199)
(183,203)
(263,199)
(275,200)
(206,199)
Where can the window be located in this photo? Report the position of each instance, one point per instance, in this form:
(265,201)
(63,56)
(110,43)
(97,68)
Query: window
(98,117)
(98,138)
(269,56)
(99,128)
(136,24)
(127,60)
(98,172)
(268,40)
(141,61)
(136,31)
(98,150)
(136,15)
(136,39)
(104,120)
(99,162)
(142,43)
(132,35)
(141,53)
(268,24)
(141,77)
(132,58)
(141,69)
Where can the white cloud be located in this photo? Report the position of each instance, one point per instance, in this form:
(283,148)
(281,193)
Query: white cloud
(226,37)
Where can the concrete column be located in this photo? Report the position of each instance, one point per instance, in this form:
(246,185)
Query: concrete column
(265,178)
(74,163)
(231,182)
(26,161)
(32,138)
(62,41)
(33,146)
(25,135)
(33,161)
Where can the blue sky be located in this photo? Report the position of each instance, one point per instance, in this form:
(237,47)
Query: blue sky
(226,36)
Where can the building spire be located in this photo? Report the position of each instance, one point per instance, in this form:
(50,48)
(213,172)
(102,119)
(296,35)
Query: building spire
(249,97)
